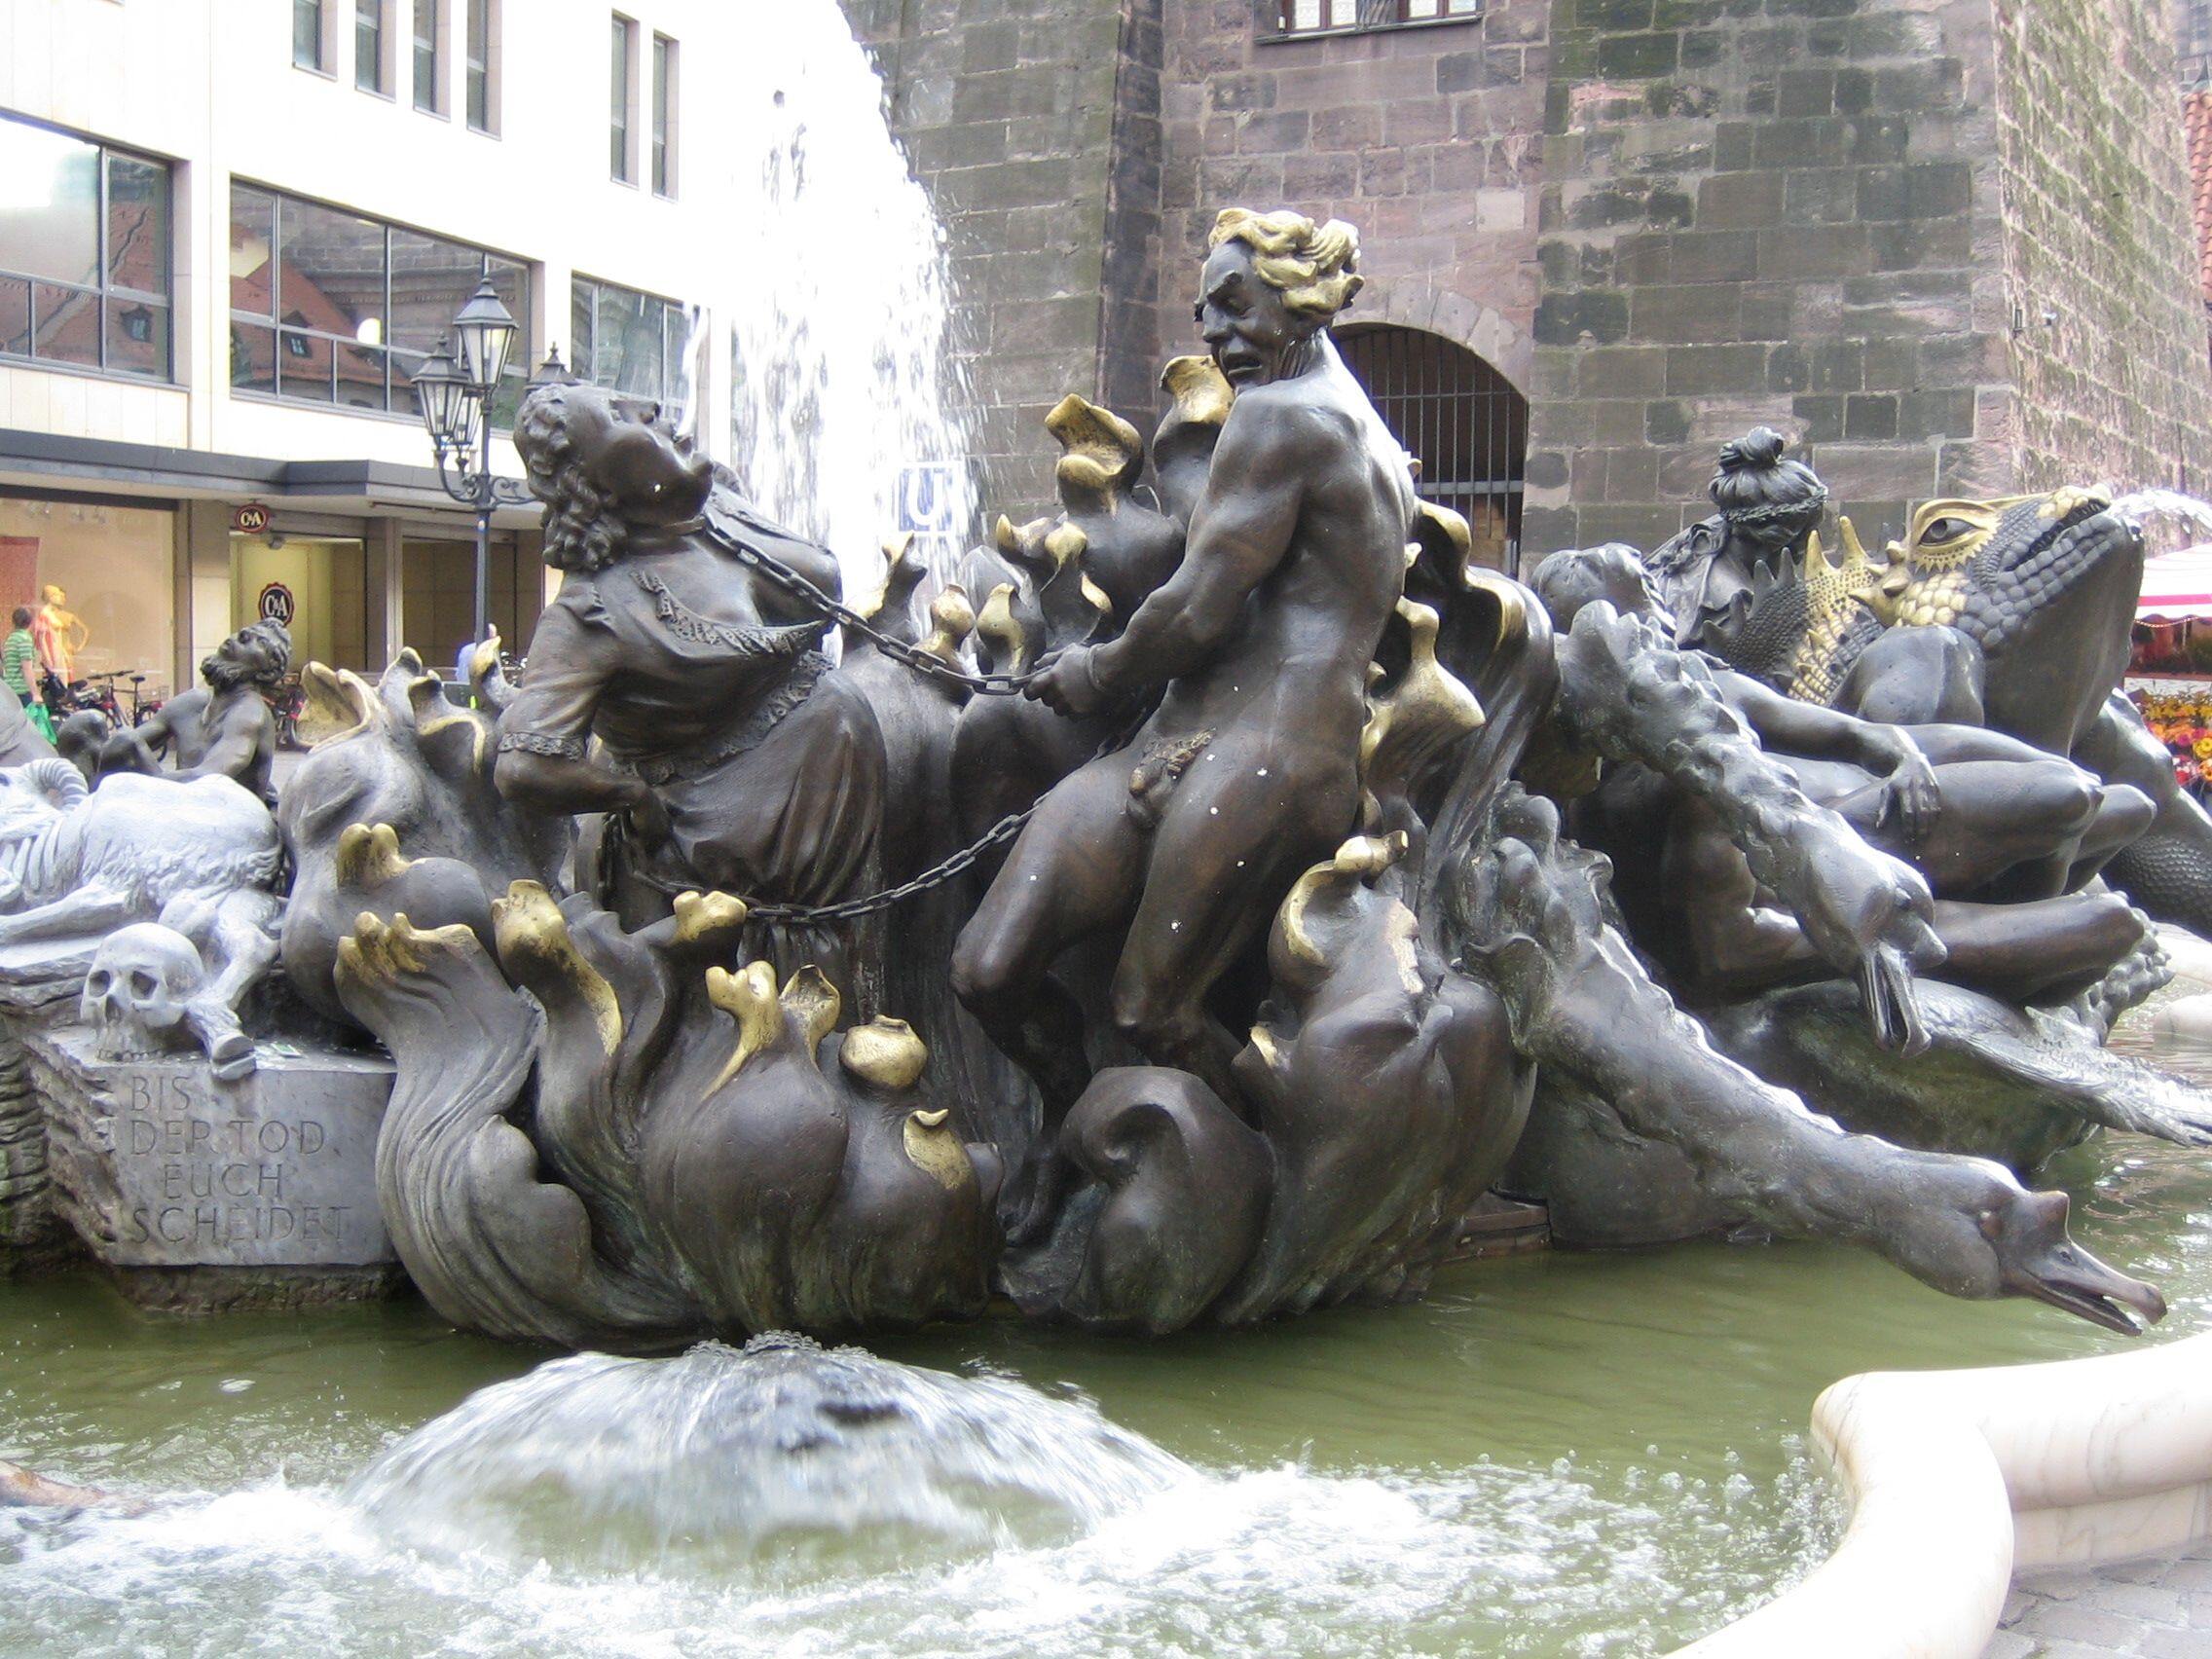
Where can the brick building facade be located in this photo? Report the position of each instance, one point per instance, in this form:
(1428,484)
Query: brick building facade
(1945,243)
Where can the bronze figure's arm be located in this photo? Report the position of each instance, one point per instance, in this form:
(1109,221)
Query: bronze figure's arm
(244,730)
(1629,696)
(1787,727)
(545,731)
(1239,532)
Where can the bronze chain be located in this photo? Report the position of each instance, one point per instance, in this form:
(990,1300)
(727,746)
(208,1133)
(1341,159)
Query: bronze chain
(922,662)
(930,667)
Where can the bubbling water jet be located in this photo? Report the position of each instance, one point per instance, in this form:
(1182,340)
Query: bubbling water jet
(782,1457)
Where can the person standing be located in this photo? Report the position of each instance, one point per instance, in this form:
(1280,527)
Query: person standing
(19,660)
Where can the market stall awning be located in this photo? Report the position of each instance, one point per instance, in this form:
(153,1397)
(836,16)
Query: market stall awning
(2177,587)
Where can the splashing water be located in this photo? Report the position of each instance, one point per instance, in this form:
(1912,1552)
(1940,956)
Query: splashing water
(790,1500)
(783,1452)
(842,364)
(2149,506)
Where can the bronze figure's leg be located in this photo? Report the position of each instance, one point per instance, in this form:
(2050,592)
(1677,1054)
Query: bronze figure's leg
(1240,828)
(1073,872)
(1916,677)
(2042,951)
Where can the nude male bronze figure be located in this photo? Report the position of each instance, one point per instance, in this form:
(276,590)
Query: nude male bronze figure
(1191,833)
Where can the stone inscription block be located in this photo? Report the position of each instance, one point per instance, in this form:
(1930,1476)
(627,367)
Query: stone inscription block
(157,1163)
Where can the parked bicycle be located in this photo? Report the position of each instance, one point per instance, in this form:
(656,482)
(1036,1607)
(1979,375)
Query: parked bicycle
(285,703)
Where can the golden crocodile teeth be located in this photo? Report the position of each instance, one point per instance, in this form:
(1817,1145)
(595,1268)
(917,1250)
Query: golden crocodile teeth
(952,619)
(700,916)
(1099,447)
(368,856)
(535,945)
(1201,393)
(339,702)
(815,1002)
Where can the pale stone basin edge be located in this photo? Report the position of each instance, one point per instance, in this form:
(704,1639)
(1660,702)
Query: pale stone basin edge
(1954,1478)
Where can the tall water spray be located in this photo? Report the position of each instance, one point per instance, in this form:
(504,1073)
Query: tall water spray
(840,294)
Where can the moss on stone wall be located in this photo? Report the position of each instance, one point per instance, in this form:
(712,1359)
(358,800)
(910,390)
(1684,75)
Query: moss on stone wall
(2108,339)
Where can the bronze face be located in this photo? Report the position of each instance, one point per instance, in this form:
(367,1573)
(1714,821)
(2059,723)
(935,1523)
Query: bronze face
(1248,326)
(629,451)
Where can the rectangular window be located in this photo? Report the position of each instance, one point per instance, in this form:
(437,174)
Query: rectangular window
(428,94)
(307,35)
(368,46)
(1350,17)
(635,343)
(339,309)
(479,67)
(622,60)
(664,116)
(84,254)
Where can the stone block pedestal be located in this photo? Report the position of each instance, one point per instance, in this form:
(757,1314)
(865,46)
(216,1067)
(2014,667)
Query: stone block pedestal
(39,985)
(198,1194)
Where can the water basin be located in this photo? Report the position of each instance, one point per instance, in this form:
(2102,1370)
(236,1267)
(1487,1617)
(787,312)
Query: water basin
(1560,1454)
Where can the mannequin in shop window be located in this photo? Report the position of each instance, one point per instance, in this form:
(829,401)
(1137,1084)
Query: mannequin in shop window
(222,727)
(58,633)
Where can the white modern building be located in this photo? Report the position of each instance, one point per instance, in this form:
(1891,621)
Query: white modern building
(229,231)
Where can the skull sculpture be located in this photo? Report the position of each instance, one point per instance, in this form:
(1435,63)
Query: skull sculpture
(137,994)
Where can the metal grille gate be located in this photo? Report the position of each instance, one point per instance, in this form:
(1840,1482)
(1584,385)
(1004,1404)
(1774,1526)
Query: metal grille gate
(1460,418)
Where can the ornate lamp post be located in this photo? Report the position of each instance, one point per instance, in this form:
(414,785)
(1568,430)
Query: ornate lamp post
(456,390)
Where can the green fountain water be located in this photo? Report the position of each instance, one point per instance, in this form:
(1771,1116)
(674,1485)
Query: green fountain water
(1556,1455)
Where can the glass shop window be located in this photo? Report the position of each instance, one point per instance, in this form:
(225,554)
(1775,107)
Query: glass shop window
(115,568)
(1351,17)
(623,71)
(664,116)
(368,46)
(430,93)
(307,36)
(438,595)
(483,76)
(632,342)
(84,254)
(339,309)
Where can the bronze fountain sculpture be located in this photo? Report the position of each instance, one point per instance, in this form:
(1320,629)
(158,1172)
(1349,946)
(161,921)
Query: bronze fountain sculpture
(1190,913)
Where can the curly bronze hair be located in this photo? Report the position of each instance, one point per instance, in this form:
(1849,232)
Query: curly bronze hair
(582,531)
(223,672)
(1759,487)
(1316,267)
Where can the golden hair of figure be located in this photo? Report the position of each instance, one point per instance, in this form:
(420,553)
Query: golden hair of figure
(1313,267)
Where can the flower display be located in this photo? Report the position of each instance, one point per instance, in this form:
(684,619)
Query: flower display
(2182,721)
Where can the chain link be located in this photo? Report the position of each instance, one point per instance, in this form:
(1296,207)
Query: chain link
(936,876)
(922,662)
(930,667)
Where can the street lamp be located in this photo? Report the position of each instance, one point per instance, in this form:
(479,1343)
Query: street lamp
(456,390)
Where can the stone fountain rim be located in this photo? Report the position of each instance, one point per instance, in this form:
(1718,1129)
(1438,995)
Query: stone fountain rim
(1955,1479)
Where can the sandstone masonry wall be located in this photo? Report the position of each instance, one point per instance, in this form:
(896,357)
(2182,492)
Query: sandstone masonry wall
(2109,343)
(1776,211)
(1007,111)
(1425,138)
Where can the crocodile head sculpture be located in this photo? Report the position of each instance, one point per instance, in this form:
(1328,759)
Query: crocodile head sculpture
(2045,585)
